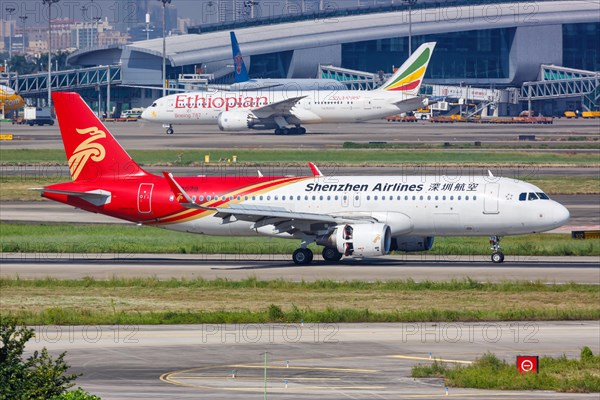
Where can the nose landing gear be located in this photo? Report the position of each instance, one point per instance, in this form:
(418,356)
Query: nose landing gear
(497,255)
(170,130)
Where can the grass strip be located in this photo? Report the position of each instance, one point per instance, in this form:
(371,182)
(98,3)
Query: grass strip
(187,301)
(123,240)
(16,188)
(489,372)
(324,157)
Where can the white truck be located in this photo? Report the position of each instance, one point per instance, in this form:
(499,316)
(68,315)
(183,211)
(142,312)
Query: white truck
(37,116)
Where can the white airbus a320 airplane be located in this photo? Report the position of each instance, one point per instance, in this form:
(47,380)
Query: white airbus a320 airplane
(286,111)
(351,216)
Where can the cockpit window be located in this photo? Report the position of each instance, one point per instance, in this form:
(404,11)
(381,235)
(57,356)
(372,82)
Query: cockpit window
(523,197)
(532,196)
(153,105)
(543,196)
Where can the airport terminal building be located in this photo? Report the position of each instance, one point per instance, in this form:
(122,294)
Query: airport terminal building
(494,44)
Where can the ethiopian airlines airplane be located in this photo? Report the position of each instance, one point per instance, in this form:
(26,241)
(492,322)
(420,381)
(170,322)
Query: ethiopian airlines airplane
(286,112)
(351,216)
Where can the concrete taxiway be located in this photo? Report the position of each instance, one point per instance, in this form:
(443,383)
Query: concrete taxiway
(304,361)
(279,266)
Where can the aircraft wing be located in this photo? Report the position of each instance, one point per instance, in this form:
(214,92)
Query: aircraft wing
(282,219)
(279,108)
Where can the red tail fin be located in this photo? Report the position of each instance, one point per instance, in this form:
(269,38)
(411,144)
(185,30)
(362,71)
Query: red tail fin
(91,150)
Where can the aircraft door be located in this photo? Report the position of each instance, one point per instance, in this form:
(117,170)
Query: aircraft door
(145,198)
(490,198)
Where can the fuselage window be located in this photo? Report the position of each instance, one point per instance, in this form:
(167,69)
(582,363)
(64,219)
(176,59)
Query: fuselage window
(451,197)
(306,197)
(283,198)
(253,198)
(414,197)
(382,197)
(261,198)
(420,197)
(223,198)
(428,197)
(208,198)
(246,198)
(335,198)
(193,198)
(328,197)
(474,197)
(368,197)
(436,198)
(443,197)
(375,198)
(299,197)
(268,197)
(320,197)
(230,198)
(276,197)
(466,197)
(314,198)
(459,197)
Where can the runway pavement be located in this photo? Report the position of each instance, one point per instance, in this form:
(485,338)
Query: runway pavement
(143,135)
(418,267)
(304,361)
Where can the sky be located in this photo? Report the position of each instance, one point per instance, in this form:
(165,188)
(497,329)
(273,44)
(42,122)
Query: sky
(124,10)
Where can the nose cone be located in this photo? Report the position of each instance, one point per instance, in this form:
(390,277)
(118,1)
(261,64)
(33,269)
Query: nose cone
(145,114)
(560,214)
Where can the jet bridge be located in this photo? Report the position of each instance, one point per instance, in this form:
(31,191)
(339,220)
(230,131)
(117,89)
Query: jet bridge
(561,82)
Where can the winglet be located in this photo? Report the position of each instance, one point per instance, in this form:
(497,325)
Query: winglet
(314,169)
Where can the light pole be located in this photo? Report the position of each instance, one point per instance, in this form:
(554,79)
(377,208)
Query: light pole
(97,21)
(410,4)
(49,2)
(164,55)
(10,11)
(23,19)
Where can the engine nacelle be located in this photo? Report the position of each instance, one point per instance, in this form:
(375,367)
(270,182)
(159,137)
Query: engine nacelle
(234,120)
(360,240)
(412,243)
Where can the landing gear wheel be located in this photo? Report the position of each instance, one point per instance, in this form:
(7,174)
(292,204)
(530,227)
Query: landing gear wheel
(331,255)
(302,256)
(497,257)
(170,131)
(302,130)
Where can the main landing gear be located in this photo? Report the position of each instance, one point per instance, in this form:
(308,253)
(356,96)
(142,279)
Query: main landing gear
(298,130)
(497,255)
(331,255)
(302,256)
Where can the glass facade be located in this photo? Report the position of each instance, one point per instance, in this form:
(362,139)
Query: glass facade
(581,46)
(482,54)
(271,65)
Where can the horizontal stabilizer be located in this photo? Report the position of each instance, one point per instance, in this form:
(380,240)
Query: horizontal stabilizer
(96,197)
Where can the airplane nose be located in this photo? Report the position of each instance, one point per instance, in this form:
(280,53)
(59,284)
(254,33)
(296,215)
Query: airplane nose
(144,114)
(560,214)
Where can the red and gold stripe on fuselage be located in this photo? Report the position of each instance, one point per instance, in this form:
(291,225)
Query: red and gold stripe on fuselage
(222,200)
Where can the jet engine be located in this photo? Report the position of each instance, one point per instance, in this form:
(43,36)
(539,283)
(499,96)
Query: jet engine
(234,120)
(359,240)
(412,243)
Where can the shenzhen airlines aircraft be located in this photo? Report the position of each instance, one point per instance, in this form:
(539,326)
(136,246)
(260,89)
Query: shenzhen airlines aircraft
(351,216)
(277,109)
(9,100)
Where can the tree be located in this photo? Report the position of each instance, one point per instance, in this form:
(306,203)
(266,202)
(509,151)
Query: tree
(37,377)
